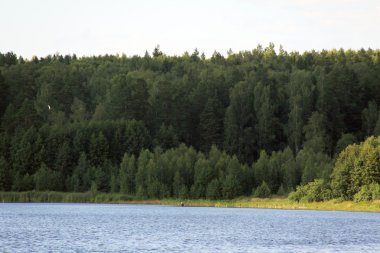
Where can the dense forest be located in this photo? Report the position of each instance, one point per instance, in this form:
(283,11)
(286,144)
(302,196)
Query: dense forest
(255,122)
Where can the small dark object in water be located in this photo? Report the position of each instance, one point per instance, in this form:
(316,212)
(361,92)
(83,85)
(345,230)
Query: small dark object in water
(182,204)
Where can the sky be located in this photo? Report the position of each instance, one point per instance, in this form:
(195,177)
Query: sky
(97,27)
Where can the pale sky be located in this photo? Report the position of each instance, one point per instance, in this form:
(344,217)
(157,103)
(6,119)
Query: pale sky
(93,27)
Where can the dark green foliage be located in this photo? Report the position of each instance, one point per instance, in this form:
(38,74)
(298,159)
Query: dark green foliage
(3,95)
(23,182)
(240,121)
(48,180)
(5,175)
(281,191)
(344,141)
(369,118)
(213,190)
(166,137)
(127,174)
(257,116)
(231,187)
(262,191)
(211,124)
(301,92)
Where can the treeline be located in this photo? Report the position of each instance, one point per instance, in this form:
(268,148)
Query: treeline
(277,119)
(356,176)
(86,156)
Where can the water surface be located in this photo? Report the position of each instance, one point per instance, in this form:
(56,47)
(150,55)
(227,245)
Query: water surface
(153,228)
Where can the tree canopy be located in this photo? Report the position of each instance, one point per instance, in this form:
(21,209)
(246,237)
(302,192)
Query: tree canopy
(189,126)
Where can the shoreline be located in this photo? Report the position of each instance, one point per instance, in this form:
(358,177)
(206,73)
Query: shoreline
(242,202)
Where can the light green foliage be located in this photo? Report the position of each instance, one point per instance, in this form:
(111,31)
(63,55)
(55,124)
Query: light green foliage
(314,191)
(355,167)
(368,193)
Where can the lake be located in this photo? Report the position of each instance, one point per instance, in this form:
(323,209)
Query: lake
(154,228)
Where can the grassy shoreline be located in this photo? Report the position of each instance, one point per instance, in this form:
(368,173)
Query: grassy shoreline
(244,202)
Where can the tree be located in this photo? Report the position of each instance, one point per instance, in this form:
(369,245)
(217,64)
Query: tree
(5,175)
(78,110)
(128,174)
(261,168)
(315,137)
(136,137)
(142,173)
(98,150)
(369,118)
(166,137)
(376,131)
(289,166)
(177,185)
(128,98)
(211,124)
(343,142)
(63,162)
(239,137)
(3,95)
(300,89)
(202,176)
(262,191)
(355,167)
(47,180)
(266,119)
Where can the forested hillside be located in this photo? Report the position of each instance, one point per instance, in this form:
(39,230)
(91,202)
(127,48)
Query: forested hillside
(184,126)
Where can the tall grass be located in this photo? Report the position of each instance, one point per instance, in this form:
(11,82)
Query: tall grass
(63,197)
(244,202)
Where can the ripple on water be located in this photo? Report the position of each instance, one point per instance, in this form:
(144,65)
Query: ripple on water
(142,228)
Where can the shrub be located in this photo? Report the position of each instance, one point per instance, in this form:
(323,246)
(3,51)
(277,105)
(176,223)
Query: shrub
(368,193)
(262,191)
(355,167)
(281,191)
(314,191)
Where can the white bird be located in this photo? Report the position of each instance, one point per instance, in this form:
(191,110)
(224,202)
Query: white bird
(49,107)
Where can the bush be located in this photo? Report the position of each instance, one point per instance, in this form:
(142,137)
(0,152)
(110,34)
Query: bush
(368,193)
(262,191)
(355,167)
(314,191)
(281,191)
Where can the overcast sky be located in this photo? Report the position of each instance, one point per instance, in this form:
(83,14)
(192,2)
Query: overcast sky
(92,27)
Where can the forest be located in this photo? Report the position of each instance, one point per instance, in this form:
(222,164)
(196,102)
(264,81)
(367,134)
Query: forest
(256,122)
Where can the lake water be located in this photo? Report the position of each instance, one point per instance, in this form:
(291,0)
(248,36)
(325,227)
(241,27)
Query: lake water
(152,228)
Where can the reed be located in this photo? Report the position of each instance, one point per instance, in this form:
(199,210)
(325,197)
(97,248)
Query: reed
(243,202)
